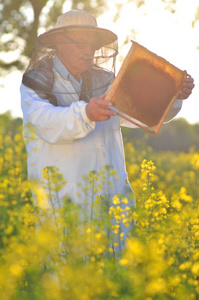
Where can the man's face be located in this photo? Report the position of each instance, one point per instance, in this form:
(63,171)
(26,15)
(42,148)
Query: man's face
(77,58)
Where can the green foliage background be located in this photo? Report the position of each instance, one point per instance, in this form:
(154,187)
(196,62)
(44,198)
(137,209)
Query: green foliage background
(178,135)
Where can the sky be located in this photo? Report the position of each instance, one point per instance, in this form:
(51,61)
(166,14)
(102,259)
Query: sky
(168,35)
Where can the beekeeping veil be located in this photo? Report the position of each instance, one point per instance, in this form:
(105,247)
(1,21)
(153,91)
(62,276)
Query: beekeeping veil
(39,75)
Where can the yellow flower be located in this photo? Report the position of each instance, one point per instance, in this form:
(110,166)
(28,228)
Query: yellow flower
(163,211)
(121,236)
(184,196)
(123,262)
(116,200)
(110,250)
(88,230)
(185,266)
(16,269)
(177,205)
(127,208)
(98,235)
(158,286)
(195,268)
(9,229)
(41,197)
(195,161)
(125,200)
(97,200)
(92,259)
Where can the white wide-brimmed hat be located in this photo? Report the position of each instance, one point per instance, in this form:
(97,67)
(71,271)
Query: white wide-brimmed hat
(76,20)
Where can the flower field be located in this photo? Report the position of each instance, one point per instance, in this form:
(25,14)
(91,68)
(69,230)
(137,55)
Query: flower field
(55,254)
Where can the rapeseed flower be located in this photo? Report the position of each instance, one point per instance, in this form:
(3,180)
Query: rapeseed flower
(63,254)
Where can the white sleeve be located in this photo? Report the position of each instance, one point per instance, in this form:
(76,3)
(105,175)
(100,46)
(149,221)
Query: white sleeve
(176,107)
(55,124)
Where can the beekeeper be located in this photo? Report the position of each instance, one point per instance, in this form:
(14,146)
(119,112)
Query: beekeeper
(63,101)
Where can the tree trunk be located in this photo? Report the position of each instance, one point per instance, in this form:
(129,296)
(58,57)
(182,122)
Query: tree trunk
(37,6)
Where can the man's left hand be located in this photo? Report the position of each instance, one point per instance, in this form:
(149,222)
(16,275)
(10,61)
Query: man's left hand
(187,88)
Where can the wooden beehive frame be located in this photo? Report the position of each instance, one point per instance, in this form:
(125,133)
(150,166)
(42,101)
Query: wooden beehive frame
(130,106)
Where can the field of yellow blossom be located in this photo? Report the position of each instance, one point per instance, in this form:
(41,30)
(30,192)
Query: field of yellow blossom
(57,254)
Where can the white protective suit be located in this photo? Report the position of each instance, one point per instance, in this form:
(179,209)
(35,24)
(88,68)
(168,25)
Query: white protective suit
(67,139)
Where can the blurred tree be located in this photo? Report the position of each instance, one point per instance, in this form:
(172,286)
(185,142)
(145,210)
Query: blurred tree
(196,17)
(177,135)
(20,21)
(9,125)
(170,5)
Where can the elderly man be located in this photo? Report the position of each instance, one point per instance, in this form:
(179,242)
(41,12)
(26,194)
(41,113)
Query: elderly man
(63,99)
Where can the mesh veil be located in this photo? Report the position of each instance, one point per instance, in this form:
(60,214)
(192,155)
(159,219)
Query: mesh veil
(39,75)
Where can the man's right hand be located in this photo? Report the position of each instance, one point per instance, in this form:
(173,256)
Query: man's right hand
(98,109)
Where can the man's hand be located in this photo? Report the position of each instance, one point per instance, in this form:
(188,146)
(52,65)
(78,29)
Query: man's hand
(98,109)
(187,88)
